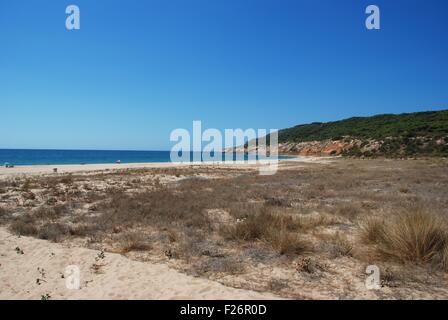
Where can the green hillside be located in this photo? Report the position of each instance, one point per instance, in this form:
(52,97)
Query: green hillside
(434,124)
(404,134)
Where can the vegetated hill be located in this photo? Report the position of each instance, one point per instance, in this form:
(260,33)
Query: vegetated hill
(434,124)
(407,134)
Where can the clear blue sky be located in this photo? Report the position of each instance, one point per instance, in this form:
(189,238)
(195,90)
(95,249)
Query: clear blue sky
(138,69)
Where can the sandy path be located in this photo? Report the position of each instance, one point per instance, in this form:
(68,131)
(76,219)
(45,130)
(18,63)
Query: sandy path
(119,278)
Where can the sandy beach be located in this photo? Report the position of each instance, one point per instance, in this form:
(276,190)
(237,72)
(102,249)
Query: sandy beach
(217,231)
(118,278)
(86,168)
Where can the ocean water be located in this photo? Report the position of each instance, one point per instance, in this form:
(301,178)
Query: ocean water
(42,157)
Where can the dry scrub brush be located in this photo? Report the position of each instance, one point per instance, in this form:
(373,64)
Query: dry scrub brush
(415,235)
(280,232)
(133,241)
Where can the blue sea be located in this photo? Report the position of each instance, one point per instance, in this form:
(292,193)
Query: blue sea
(43,157)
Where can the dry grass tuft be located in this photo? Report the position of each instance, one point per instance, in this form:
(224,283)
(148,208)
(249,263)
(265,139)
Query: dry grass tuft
(4,185)
(278,231)
(315,191)
(23,227)
(348,210)
(46,213)
(288,243)
(309,222)
(83,230)
(371,229)
(416,235)
(133,241)
(341,246)
(53,231)
(443,258)
(3,214)
(337,244)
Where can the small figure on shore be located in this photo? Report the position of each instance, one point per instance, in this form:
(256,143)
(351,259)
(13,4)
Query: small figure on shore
(55,170)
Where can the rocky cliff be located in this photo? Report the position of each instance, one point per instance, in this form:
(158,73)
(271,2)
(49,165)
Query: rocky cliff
(348,146)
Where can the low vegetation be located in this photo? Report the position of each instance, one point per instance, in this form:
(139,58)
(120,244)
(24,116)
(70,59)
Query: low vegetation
(318,222)
(133,241)
(414,235)
(280,232)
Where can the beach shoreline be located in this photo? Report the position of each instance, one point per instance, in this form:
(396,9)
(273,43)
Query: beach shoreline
(80,168)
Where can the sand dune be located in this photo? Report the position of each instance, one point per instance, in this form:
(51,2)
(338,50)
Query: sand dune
(117,278)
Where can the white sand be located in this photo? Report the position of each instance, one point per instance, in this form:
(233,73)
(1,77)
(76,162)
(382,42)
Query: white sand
(77,168)
(71,168)
(120,278)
